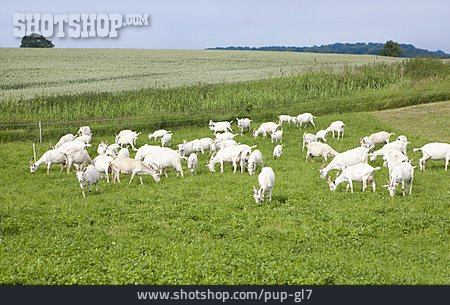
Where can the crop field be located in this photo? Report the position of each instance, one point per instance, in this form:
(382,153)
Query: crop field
(207,229)
(27,73)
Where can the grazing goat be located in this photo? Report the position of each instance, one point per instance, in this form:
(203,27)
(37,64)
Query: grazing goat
(400,144)
(133,167)
(277,136)
(266,180)
(88,177)
(228,154)
(321,135)
(284,118)
(317,149)
(225,136)
(168,158)
(253,160)
(222,144)
(158,134)
(243,124)
(52,156)
(265,128)
(166,140)
(434,151)
(186,148)
(337,126)
(404,174)
(376,138)
(346,158)
(305,118)
(278,151)
(204,144)
(358,172)
(308,138)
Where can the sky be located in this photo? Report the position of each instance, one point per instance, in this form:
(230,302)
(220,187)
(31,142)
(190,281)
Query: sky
(199,24)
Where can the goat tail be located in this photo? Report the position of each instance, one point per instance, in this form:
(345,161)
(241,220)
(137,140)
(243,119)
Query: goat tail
(417,149)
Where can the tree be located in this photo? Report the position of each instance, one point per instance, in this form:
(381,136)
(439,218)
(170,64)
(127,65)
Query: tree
(36,41)
(391,48)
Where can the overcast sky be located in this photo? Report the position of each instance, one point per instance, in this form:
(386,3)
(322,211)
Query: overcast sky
(199,24)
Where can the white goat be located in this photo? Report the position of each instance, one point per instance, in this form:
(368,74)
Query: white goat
(84,138)
(186,148)
(220,126)
(102,163)
(225,136)
(222,144)
(277,136)
(169,158)
(52,156)
(192,162)
(392,158)
(266,180)
(128,139)
(166,140)
(284,118)
(337,126)
(77,158)
(64,139)
(400,144)
(346,158)
(204,144)
(88,177)
(317,149)
(243,124)
(278,151)
(74,145)
(358,172)
(404,174)
(101,150)
(305,118)
(145,150)
(228,154)
(265,128)
(158,134)
(253,160)
(308,138)
(84,131)
(123,153)
(376,138)
(133,167)
(434,151)
(321,135)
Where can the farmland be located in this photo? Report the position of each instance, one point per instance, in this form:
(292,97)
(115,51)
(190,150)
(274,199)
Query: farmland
(207,229)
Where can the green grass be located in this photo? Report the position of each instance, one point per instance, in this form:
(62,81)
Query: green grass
(207,229)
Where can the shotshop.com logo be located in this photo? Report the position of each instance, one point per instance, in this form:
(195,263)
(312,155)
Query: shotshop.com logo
(75,25)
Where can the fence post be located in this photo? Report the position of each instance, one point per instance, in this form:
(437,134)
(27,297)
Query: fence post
(34,152)
(40,132)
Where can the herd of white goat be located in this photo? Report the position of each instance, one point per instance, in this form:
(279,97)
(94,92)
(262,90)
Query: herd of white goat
(352,165)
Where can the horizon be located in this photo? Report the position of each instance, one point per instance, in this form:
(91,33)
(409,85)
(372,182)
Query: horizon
(202,24)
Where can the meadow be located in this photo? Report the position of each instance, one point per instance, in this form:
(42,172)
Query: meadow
(207,229)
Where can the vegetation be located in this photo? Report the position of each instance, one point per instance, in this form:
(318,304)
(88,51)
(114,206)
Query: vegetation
(408,50)
(392,49)
(30,73)
(207,229)
(35,41)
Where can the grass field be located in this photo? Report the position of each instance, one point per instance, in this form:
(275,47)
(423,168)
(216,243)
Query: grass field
(207,229)
(27,73)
